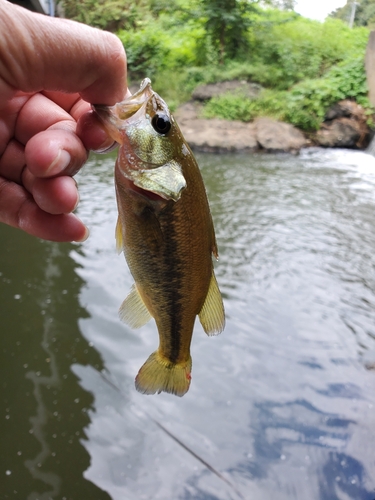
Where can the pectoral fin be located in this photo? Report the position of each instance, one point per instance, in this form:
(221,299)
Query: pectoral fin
(119,241)
(212,316)
(133,310)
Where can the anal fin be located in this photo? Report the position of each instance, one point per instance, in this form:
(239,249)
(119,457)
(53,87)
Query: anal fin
(133,310)
(212,316)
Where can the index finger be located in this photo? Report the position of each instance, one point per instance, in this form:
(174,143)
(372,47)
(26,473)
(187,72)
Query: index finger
(42,53)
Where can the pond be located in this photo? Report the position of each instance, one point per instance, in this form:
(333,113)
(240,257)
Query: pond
(282,403)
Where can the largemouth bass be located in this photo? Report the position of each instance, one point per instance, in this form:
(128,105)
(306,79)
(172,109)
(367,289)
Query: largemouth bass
(166,232)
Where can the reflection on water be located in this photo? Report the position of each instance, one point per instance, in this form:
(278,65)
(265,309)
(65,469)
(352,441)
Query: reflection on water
(281,404)
(52,380)
(44,410)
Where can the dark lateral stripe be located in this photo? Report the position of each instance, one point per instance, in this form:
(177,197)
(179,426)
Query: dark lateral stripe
(174,274)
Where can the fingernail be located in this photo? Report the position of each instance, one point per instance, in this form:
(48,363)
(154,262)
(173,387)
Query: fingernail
(60,163)
(77,202)
(107,148)
(85,236)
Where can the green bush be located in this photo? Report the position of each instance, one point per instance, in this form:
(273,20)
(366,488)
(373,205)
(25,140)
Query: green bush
(308,101)
(259,72)
(110,15)
(304,105)
(230,107)
(238,107)
(171,85)
(304,49)
(306,66)
(154,50)
(145,50)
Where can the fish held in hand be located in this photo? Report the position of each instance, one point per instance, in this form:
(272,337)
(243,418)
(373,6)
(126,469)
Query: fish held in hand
(166,232)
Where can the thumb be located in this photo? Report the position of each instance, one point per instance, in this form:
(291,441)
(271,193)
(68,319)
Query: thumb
(42,53)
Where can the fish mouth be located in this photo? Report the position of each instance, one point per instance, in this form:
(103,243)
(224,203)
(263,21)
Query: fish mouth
(162,180)
(113,117)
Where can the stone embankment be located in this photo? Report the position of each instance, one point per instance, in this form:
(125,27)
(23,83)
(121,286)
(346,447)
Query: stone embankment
(344,126)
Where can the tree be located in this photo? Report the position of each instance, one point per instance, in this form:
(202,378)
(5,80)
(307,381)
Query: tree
(226,23)
(110,15)
(283,4)
(364,14)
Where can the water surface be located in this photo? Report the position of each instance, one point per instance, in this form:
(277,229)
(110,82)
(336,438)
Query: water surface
(281,405)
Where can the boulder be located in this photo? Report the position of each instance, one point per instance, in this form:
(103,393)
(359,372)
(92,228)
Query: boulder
(275,136)
(207,92)
(214,135)
(344,127)
(219,136)
(345,108)
(340,133)
(188,111)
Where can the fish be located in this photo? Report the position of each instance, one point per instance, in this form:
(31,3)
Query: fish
(166,232)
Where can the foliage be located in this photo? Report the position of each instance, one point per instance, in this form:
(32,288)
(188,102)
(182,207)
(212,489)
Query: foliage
(178,91)
(304,65)
(305,104)
(226,23)
(308,101)
(237,107)
(105,14)
(283,4)
(145,49)
(301,48)
(155,50)
(364,13)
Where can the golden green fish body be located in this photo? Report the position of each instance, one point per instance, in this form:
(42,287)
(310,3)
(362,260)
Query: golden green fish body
(166,231)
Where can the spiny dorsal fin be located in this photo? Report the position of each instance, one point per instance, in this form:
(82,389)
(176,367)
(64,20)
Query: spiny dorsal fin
(212,316)
(119,241)
(133,310)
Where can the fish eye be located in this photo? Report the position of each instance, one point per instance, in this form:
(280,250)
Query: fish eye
(161,124)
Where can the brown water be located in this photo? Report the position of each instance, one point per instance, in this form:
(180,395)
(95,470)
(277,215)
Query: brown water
(281,404)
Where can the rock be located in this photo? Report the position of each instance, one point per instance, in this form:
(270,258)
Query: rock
(275,136)
(188,111)
(214,135)
(219,136)
(206,92)
(345,108)
(343,132)
(344,127)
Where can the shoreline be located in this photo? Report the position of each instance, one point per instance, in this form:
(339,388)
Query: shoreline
(344,127)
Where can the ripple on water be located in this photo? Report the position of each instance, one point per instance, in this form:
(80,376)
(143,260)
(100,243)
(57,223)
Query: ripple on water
(280,402)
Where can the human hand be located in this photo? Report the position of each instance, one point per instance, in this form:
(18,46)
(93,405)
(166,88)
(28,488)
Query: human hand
(50,70)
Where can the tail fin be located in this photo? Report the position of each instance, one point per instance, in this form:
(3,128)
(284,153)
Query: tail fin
(160,375)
